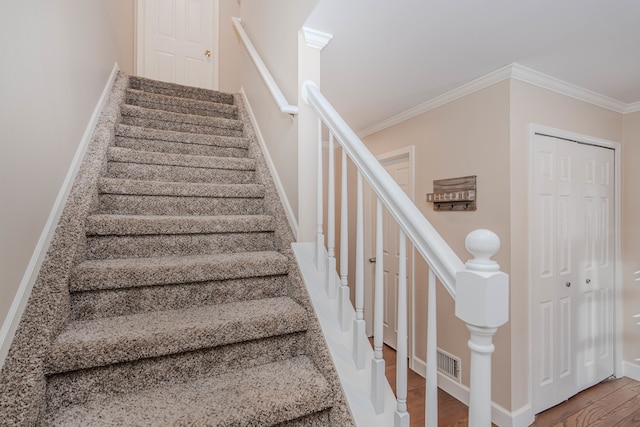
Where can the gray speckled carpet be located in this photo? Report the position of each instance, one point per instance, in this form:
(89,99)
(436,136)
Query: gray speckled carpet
(169,295)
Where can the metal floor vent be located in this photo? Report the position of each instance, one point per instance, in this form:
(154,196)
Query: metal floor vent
(449,365)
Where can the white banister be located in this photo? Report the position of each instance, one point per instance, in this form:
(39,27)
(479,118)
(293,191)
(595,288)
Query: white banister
(482,302)
(424,237)
(331,223)
(345,302)
(358,323)
(277,94)
(401,416)
(431,392)
(377,364)
(320,253)
(479,288)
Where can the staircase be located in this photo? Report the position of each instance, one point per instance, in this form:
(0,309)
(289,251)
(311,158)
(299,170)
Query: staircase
(185,305)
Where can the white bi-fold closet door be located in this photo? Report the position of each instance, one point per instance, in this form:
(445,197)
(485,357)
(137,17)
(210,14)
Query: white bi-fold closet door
(572,266)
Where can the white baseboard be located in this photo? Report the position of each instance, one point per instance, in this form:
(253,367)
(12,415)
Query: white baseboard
(293,223)
(11,321)
(631,370)
(500,416)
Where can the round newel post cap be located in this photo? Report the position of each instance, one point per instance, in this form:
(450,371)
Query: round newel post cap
(483,244)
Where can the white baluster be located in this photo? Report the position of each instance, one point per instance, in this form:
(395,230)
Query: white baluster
(401,416)
(482,302)
(377,364)
(431,396)
(358,324)
(331,224)
(320,252)
(345,302)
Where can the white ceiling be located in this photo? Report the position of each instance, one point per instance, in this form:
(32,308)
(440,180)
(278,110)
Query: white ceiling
(388,56)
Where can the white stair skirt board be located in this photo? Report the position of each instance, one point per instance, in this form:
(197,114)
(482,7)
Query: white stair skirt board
(11,321)
(355,383)
(293,223)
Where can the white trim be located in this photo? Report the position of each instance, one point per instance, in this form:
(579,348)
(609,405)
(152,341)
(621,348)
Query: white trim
(12,319)
(273,87)
(514,71)
(316,39)
(500,416)
(215,42)
(293,223)
(631,370)
(534,129)
(447,97)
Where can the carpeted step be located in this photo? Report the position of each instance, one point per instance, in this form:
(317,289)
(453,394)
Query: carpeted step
(137,132)
(172,89)
(126,236)
(143,165)
(265,395)
(105,382)
(136,197)
(180,105)
(122,302)
(160,146)
(134,272)
(111,340)
(158,119)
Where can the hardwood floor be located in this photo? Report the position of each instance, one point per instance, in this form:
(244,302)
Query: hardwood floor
(614,402)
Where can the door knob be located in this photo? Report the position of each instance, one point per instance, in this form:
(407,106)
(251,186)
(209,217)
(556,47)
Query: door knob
(372,259)
(207,53)
(568,284)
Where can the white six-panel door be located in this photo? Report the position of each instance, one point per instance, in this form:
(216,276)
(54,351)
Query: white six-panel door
(179,42)
(572,268)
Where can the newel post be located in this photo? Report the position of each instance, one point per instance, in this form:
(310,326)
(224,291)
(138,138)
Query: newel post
(482,302)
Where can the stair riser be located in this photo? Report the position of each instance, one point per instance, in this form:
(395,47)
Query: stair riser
(182,92)
(180,127)
(103,247)
(79,386)
(123,302)
(178,173)
(140,101)
(174,205)
(180,148)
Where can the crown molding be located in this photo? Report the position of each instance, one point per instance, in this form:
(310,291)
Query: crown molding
(633,108)
(316,39)
(536,78)
(447,97)
(511,71)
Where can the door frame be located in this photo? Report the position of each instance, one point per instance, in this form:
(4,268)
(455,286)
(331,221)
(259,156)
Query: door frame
(138,46)
(407,152)
(617,282)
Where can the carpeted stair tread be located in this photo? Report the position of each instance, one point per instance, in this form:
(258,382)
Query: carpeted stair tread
(180,105)
(182,189)
(173,89)
(121,225)
(105,341)
(127,155)
(132,272)
(265,395)
(159,119)
(122,130)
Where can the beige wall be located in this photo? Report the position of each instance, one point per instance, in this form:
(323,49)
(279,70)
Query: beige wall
(231,49)
(121,14)
(531,104)
(57,57)
(273,28)
(631,234)
(469,136)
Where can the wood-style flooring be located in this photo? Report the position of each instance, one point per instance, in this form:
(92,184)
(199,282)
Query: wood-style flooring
(612,403)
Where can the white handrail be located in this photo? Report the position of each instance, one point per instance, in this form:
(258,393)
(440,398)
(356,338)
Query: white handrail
(277,94)
(444,262)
